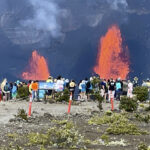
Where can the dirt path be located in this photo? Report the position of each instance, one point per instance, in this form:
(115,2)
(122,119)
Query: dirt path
(9,109)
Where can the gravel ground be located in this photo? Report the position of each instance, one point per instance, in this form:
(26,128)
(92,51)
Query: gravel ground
(44,114)
(10,108)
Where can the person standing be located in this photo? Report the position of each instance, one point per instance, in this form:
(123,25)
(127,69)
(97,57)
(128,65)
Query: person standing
(14,91)
(111,88)
(34,87)
(83,90)
(72,86)
(79,92)
(88,89)
(102,88)
(130,89)
(2,88)
(7,91)
(118,89)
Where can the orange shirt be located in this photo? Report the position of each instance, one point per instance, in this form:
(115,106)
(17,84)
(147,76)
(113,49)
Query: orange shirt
(34,86)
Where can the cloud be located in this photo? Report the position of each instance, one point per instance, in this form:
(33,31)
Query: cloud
(45,17)
(29,22)
(38,25)
(118,4)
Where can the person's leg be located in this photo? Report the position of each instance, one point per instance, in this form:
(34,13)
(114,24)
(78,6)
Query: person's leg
(3,96)
(6,96)
(131,93)
(15,95)
(82,95)
(33,94)
(116,93)
(119,93)
(0,97)
(113,94)
(128,93)
(109,93)
(9,97)
(149,94)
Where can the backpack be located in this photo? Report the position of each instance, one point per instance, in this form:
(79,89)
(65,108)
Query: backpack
(88,85)
(6,88)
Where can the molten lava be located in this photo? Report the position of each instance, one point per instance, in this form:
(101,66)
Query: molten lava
(113,58)
(38,68)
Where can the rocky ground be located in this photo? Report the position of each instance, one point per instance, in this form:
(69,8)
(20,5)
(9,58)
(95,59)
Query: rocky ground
(52,123)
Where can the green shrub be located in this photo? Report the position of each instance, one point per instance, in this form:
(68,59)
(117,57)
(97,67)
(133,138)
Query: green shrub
(105,138)
(99,98)
(108,113)
(128,104)
(95,82)
(147,108)
(117,124)
(22,114)
(60,136)
(96,120)
(142,118)
(142,146)
(124,127)
(23,92)
(63,96)
(141,92)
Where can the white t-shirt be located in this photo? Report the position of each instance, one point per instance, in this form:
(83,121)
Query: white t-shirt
(130,86)
(80,86)
(59,85)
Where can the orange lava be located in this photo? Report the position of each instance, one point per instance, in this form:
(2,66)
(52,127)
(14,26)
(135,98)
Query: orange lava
(113,58)
(38,68)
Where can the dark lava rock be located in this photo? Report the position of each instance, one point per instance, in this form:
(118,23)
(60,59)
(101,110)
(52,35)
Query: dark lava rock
(47,115)
(94,112)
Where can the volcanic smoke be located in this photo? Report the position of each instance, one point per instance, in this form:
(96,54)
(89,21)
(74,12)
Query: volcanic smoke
(113,58)
(38,68)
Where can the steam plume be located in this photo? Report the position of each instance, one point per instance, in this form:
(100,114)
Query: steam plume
(45,17)
(118,4)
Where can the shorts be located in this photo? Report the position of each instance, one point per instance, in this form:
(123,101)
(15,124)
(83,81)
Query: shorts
(49,92)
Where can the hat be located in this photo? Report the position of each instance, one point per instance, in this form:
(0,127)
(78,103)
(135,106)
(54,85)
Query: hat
(50,77)
(72,84)
(67,80)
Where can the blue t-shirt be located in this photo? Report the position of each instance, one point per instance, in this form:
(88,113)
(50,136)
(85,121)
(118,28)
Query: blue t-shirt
(118,85)
(83,87)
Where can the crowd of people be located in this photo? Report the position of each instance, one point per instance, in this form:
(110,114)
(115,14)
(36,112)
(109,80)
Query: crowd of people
(8,90)
(107,88)
(80,91)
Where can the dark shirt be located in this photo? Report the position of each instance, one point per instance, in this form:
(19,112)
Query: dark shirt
(112,86)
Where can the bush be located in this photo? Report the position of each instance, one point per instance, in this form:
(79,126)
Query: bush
(141,92)
(128,104)
(63,96)
(99,98)
(117,124)
(22,114)
(60,136)
(23,92)
(142,118)
(124,127)
(142,146)
(96,120)
(95,82)
(147,108)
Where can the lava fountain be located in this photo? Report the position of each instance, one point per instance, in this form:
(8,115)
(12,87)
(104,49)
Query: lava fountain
(38,68)
(113,57)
